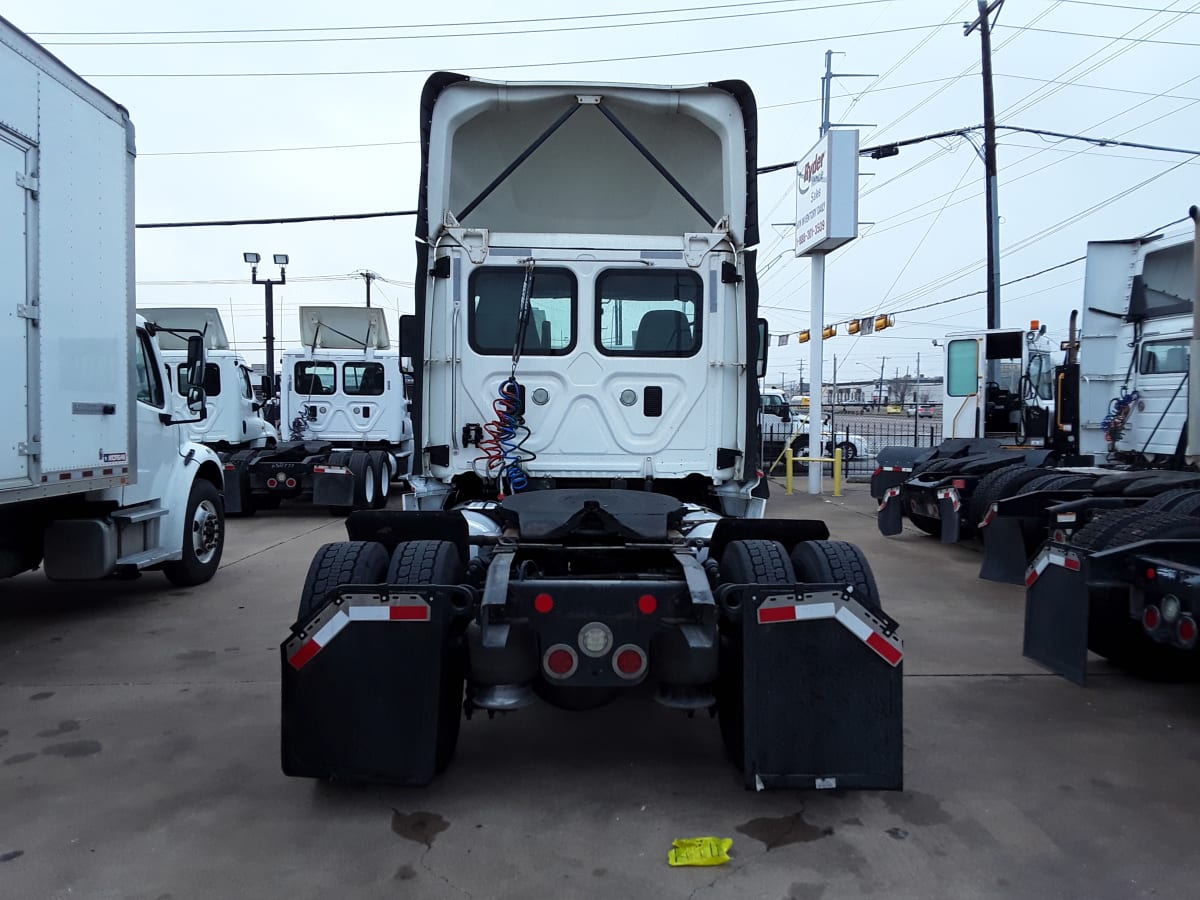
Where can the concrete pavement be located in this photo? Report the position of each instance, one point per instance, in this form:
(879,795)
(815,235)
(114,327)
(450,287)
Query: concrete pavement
(139,759)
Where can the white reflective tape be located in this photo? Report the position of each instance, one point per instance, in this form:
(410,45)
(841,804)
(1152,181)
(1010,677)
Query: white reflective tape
(330,629)
(370,613)
(854,624)
(815,611)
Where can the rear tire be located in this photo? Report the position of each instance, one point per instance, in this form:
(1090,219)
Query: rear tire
(364,480)
(346,562)
(1182,501)
(998,485)
(743,562)
(838,562)
(382,475)
(203,537)
(426,563)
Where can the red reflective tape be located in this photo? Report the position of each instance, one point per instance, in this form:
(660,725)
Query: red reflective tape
(1072,563)
(303,655)
(877,643)
(767,614)
(1030,577)
(409,613)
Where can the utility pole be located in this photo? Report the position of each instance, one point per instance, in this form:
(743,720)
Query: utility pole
(879,393)
(281,260)
(989,159)
(368,277)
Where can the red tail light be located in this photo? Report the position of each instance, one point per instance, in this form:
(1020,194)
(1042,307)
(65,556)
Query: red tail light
(272,483)
(959,484)
(230,467)
(629,661)
(1151,574)
(878,471)
(291,482)
(647,604)
(1151,618)
(1185,631)
(543,603)
(560,661)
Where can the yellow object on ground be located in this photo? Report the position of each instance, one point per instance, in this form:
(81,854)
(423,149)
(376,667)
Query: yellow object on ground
(701,851)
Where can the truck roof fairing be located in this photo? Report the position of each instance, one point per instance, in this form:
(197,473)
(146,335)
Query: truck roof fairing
(589,158)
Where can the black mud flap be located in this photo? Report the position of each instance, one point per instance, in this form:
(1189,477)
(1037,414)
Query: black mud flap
(822,690)
(372,685)
(890,517)
(949,505)
(333,487)
(1004,556)
(1056,611)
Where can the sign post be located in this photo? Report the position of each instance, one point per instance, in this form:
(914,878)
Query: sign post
(826,218)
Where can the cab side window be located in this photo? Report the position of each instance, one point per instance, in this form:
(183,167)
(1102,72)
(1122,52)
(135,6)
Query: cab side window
(149,378)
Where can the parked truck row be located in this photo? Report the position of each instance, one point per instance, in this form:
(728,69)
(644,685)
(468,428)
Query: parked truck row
(1081,479)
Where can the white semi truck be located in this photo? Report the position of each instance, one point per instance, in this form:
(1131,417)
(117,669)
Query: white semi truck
(234,419)
(345,406)
(586,513)
(98,475)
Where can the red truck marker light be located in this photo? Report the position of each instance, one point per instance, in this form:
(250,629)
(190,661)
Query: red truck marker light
(543,603)
(647,604)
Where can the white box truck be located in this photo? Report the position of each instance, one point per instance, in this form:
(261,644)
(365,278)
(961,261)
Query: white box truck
(97,475)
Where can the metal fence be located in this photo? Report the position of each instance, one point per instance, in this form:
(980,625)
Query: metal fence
(860,437)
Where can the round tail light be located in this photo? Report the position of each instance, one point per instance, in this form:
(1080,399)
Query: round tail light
(1151,618)
(647,604)
(1185,631)
(291,482)
(272,483)
(629,661)
(543,603)
(560,661)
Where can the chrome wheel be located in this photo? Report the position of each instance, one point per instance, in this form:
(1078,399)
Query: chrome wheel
(206,531)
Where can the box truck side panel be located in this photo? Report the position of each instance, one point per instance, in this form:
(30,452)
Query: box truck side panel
(14,327)
(86,316)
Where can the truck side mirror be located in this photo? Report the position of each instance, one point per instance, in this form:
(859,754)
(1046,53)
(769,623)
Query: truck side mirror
(410,337)
(761,371)
(195,361)
(195,373)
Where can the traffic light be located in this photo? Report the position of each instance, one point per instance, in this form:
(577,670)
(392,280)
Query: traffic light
(829,331)
(803,338)
(882,322)
(852,326)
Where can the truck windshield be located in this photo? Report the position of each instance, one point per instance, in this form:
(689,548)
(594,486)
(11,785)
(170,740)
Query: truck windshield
(496,306)
(1041,375)
(362,379)
(212,380)
(1165,357)
(640,313)
(314,379)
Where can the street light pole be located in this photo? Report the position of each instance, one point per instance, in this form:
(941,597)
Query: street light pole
(281,260)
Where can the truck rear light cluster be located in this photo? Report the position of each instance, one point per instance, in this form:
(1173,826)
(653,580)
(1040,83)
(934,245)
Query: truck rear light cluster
(629,661)
(560,661)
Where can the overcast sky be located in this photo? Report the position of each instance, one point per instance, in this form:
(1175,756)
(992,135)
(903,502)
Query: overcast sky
(320,117)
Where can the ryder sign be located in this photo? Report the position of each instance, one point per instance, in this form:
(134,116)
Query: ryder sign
(827,194)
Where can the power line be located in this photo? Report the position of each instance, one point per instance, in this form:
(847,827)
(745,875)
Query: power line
(528,65)
(1109,37)
(462,34)
(1137,8)
(652,12)
(280,221)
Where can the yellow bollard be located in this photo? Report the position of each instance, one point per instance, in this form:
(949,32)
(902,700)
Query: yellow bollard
(788,466)
(837,472)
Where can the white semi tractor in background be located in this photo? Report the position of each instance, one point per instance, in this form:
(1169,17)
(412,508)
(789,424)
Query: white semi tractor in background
(98,475)
(345,409)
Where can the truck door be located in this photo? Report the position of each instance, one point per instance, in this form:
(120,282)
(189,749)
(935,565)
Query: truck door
(15,229)
(964,375)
